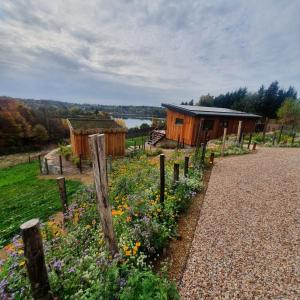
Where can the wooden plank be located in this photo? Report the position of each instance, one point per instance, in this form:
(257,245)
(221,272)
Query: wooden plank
(97,146)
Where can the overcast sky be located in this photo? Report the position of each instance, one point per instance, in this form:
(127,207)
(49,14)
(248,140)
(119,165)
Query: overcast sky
(145,52)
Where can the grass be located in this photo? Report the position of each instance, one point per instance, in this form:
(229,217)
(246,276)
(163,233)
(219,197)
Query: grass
(24,196)
(139,141)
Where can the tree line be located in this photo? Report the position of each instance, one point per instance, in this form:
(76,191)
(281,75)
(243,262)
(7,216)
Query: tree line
(265,102)
(25,129)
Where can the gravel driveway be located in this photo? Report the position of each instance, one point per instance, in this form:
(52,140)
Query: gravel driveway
(247,241)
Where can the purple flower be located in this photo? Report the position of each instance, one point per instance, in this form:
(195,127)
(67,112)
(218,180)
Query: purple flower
(72,270)
(3,284)
(57,264)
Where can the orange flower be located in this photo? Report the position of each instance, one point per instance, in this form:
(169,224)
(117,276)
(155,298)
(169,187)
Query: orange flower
(128,219)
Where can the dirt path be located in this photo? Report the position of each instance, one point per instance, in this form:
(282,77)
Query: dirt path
(247,241)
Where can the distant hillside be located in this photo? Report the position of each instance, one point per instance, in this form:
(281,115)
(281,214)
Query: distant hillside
(66,109)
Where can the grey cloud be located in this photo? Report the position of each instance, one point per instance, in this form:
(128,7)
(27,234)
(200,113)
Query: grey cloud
(140,51)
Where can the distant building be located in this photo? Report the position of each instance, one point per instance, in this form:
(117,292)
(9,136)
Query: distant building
(81,128)
(188,123)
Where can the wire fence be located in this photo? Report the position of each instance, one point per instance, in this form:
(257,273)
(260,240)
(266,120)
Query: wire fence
(29,198)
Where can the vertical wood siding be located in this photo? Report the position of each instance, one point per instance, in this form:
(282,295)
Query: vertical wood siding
(190,127)
(114,144)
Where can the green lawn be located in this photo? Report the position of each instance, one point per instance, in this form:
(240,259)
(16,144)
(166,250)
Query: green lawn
(139,141)
(23,196)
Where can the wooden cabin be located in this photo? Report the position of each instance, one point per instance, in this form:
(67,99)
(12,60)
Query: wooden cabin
(189,123)
(81,128)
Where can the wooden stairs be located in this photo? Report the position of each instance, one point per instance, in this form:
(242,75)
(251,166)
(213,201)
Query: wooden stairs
(156,136)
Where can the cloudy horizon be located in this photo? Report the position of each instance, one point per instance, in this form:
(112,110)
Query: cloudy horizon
(145,52)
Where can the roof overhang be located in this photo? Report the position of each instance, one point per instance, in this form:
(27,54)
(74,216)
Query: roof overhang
(206,111)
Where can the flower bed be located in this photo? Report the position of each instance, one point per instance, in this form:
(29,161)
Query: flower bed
(79,265)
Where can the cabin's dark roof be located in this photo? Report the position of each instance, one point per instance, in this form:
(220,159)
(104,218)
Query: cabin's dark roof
(194,110)
(85,125)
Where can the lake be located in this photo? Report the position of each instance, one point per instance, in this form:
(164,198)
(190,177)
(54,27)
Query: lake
(130,123)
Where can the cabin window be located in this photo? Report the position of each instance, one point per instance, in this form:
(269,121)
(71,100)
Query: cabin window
(208,124)
(178,121)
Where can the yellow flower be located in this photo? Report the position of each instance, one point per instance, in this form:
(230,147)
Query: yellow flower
(20,251)
(138,244)
(128,252)
(94,222)
(125,248)
(128,219)
(88,226)
(22,263)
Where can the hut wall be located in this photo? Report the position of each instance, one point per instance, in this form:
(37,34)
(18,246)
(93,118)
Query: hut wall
(189,128)
(182,131)
(114,144)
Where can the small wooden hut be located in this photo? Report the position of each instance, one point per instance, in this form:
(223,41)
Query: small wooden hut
(81,128)
(187,123)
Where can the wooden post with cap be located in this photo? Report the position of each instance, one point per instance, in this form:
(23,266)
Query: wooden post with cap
(35,260)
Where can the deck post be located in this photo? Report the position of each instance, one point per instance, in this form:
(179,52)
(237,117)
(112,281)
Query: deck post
(254,146)
(35,260)
(97,147)
(162,177)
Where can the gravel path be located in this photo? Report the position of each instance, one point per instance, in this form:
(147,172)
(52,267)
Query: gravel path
(247,241)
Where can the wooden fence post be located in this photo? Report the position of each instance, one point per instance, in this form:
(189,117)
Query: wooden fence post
(35,260)
(109,169)
(186,166)
(80,163)
(238,137)
(265,129)
(29,159)
(46,165)
(274,138)
(280,133)
(178,142)
(223,141)
(254,146)
(293,138)
(250,140)
(203,152)
(176,173)
(61,182)
(183,143)
(242,141)
(97,146)
(40,164)
(211,159)
(60,165)
(162,177)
